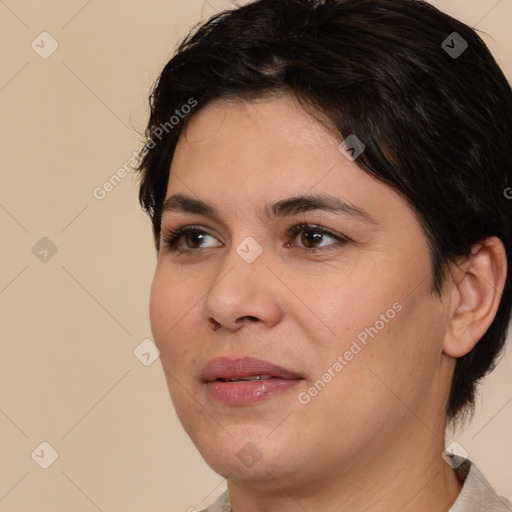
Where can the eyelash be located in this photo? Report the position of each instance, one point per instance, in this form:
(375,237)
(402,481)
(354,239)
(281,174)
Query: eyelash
(172,237)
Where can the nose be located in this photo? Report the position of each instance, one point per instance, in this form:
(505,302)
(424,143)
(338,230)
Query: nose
(242,293)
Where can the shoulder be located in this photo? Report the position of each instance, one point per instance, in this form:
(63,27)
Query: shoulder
(221,504)
(477,494)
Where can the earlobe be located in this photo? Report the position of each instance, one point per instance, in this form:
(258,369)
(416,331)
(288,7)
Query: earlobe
(476,291)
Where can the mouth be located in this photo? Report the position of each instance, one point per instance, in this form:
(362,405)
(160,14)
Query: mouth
(244,369)
(249,378)
(246,380)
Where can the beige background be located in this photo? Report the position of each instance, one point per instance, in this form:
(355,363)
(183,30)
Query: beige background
(70,324)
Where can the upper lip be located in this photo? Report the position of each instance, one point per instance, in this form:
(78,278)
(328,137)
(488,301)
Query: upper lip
(227,368)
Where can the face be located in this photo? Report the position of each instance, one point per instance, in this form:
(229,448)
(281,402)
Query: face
(339,297)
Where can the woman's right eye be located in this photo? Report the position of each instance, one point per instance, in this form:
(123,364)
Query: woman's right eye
(190,235)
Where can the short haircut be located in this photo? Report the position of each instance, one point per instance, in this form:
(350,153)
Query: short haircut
(434,116)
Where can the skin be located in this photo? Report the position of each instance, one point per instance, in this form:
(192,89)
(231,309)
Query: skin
(372,438)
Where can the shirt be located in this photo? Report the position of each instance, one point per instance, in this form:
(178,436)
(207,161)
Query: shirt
(476,494)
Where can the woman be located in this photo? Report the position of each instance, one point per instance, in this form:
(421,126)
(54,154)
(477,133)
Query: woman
(327,186)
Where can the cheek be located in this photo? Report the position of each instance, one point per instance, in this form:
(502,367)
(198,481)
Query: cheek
(377,324)
(172,304)
(171,310)
(352,304)
(373,380)
(161,306)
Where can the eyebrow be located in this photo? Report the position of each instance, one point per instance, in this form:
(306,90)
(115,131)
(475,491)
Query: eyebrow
(282,208)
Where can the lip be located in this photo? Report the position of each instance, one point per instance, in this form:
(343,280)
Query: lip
(248,392)
(227,368)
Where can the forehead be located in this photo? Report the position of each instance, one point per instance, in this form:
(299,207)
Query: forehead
(239,153)
(275,124)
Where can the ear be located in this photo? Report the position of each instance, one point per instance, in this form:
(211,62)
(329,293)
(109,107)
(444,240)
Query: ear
(476,291)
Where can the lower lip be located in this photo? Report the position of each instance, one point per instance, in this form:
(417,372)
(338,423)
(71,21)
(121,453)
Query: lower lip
(248,392)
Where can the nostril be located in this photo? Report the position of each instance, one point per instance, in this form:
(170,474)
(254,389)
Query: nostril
(246,319)
(213,323)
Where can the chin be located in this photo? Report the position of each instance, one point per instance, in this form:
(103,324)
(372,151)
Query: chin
(250,455)
(264,472)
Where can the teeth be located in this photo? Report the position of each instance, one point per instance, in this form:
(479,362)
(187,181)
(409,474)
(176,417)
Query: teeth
(252,377)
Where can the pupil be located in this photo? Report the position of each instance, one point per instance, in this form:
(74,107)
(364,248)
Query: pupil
(197,242)
(311,237)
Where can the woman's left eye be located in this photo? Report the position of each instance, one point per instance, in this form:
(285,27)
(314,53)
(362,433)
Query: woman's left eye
(311,235)
(310,238)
